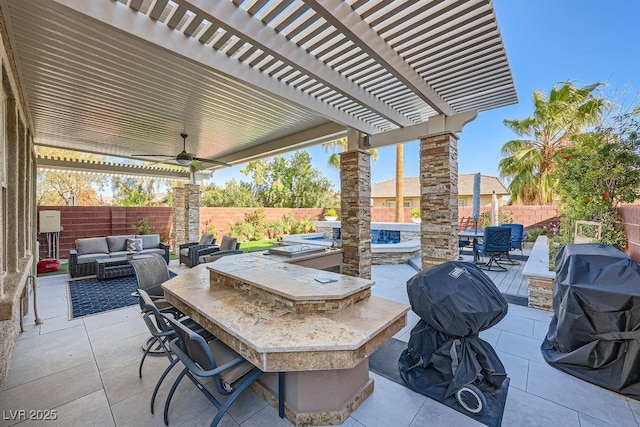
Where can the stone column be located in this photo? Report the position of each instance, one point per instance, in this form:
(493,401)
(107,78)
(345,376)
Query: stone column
(23,151)
(186,215)
(355,206)
(14,222)
(439,199)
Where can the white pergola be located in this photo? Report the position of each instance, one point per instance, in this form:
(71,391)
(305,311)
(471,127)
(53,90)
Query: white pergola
(251,78)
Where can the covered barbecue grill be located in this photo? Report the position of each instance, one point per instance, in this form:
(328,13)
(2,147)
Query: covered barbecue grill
(445,357)
(595,330)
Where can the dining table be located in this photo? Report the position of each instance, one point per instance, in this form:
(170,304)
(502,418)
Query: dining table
(472,234)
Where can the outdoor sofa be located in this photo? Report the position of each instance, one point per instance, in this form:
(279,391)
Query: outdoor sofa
(82,259)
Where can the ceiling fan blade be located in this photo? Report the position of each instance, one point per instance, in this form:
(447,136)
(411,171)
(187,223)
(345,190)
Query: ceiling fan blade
(152,155)
(215,162)
(197,165)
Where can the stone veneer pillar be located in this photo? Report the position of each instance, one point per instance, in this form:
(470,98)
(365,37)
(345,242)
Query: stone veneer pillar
(186,215)
(22,189)
(355,203)
(14,222)
(439,199)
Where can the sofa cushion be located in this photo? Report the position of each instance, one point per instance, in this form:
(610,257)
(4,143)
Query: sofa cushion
(149,241)
(134,245)
(118,243)
(228,243)
(120,254)
(87,258)
(206,239)
(92,245)
(153,251)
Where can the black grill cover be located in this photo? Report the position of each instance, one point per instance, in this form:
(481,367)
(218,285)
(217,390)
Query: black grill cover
(595,330)
(455,301)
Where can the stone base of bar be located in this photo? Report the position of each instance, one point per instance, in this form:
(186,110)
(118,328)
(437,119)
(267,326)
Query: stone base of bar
(318,397)
(541,293)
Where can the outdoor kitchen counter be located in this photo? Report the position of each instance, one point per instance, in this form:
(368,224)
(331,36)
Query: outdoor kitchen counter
(281,319)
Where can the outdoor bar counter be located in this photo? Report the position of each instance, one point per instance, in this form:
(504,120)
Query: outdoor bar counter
(281,319)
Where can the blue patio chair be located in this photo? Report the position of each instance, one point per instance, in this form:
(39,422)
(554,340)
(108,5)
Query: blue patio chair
(517,238)
(517,235)
(231,373)
(496,244)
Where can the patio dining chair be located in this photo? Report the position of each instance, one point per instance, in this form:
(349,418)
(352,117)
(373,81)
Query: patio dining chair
(495,245)
(161,332)
(151,272)
(231,373)
(517,235)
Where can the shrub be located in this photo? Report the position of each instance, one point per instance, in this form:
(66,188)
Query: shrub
(258,219)
(415,213)
(143,226)
(276,229)
(290,223)
(555,243)
(533,234)
(598,173)
(306,225)
(504,217)
(243,231)
(210,228)
(331,212)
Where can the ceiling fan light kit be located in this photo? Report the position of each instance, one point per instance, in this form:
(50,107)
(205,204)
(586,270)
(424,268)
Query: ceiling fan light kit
(186,159)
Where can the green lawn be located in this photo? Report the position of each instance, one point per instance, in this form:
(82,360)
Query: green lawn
(257,245)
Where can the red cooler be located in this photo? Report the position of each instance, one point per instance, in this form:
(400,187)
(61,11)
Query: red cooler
(48,265)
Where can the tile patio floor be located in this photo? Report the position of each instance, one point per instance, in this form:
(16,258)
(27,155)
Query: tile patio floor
(86,369)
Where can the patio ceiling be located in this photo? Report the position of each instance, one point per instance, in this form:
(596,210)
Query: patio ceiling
(251,78)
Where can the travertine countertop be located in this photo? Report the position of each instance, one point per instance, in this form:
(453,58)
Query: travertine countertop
(263,333)
(293,282)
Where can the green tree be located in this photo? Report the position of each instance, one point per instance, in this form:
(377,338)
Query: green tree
(134,191)
(232,194)
(599,173)
(529,163)
(59,188)
(290,183)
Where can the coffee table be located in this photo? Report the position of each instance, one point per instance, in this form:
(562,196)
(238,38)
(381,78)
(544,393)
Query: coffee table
(108,268)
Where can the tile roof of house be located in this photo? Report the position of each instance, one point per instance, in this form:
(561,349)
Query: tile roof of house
(488,184)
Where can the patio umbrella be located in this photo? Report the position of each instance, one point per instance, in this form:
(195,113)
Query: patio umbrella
(475,213)
(494,209)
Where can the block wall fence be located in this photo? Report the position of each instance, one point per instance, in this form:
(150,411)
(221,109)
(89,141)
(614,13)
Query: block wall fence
(96,221)
(93,221)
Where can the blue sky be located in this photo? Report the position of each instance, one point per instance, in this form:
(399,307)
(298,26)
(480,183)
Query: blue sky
(547,41)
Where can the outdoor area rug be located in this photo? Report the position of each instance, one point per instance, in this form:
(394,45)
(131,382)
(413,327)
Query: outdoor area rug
(92,296)
(384,362)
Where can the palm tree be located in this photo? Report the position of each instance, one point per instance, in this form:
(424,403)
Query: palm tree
(339,145)
(399,183)
(529,163)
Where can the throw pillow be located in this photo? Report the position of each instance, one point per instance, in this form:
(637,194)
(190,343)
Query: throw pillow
(134,245)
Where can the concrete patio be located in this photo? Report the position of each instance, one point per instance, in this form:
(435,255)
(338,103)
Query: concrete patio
(86,369)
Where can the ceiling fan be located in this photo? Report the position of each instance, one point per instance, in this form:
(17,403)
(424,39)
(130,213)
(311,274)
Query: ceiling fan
(186,159)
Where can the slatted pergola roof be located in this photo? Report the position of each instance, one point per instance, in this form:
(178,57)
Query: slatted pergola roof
(248,78)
